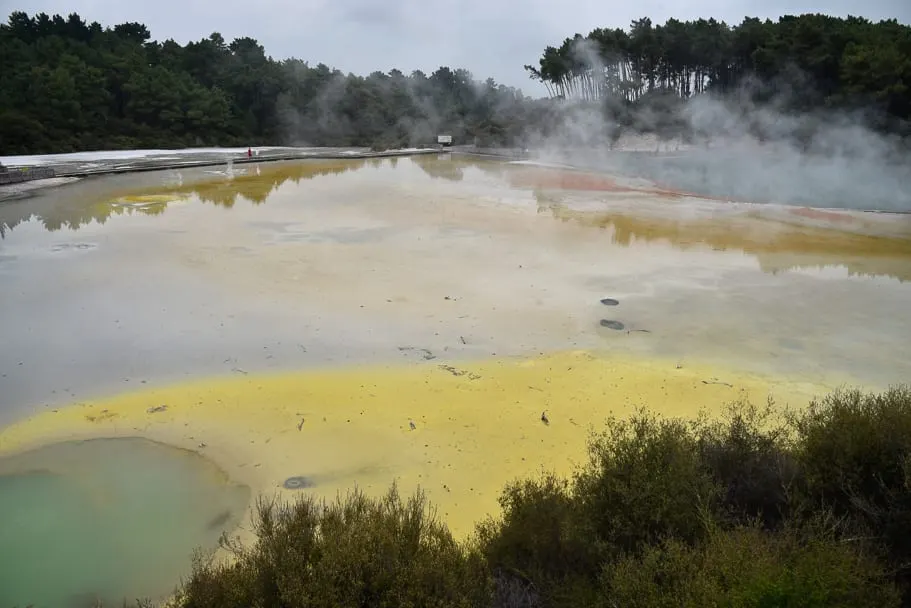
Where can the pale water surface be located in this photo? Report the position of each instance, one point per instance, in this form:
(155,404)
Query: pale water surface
(116,284)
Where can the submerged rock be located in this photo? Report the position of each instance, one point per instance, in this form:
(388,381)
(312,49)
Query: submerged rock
(611,324)
(297,483)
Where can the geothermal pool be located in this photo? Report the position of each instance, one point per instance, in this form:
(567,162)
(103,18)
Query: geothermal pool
(364,321)
(104,519)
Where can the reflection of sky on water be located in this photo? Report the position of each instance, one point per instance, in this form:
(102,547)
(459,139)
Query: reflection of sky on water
(139,279)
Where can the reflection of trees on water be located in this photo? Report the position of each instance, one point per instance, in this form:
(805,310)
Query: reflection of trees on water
(255,186)
(440,168)
(55,213)
(777,246)
(50,214)
(60,209)
(452,168)
(72,208)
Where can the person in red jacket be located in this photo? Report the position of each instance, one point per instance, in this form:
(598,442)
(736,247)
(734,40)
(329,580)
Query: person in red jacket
(249,152)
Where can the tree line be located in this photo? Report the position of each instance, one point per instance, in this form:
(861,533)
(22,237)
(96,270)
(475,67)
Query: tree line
(804,62)
(69,85)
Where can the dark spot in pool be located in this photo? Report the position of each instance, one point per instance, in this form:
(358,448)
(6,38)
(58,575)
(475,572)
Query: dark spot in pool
(611,324)
(219,520)
(609,301)
(297,483)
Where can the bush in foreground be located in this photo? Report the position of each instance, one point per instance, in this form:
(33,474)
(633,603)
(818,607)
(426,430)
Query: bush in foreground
(749,567)
(811,511)
(647,480)
(855,450)
(356,551)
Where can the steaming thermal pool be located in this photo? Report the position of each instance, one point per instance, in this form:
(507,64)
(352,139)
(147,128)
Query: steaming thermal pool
(295,320)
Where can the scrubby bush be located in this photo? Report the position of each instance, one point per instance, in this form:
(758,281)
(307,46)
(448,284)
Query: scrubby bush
(652,486)
(749,567)
(357,551)
(754,510)
(537,548)
(644,482)
(855,450)
(748,455)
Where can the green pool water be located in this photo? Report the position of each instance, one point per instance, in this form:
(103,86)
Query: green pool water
(107,520)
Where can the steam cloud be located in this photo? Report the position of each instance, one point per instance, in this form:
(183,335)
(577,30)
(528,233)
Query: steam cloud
(732,147)
(736,147)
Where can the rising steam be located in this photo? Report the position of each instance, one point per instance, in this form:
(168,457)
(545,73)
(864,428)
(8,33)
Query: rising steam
(734,147)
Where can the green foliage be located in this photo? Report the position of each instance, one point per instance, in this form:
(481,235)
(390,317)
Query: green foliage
(747,454)
(538,539)
(645,481)
(813,60)
(855,450)
(70,85)
(356,551)
(752,510)
(756,510)
(749,568)
(67,85)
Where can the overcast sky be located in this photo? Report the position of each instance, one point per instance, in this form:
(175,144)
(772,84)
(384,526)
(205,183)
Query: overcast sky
(489,37)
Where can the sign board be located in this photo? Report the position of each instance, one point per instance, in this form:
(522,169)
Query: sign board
(445,140)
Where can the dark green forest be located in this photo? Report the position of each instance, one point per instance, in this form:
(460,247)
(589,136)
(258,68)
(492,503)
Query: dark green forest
(67,85)
(643,77)
(812,60)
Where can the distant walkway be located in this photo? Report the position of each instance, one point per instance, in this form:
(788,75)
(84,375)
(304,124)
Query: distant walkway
(84,164)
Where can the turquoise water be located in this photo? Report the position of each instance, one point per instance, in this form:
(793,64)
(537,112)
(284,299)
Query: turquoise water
(107,520)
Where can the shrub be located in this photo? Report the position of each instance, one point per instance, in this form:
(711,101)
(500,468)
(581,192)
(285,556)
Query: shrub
(536,547)
(356,551)
(855,450)
(644,482)
(744,512)
(749,457)
(749,567)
